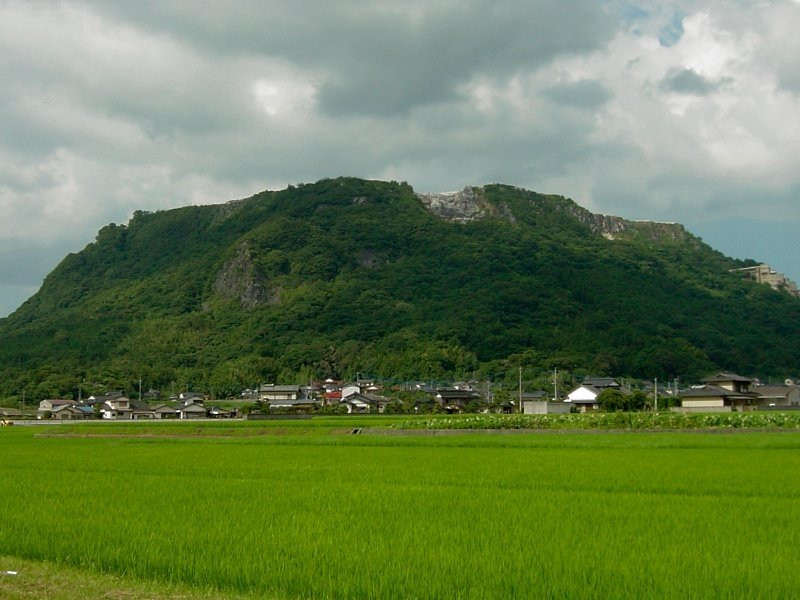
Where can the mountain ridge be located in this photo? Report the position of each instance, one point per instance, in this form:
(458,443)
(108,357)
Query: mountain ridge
(347,275)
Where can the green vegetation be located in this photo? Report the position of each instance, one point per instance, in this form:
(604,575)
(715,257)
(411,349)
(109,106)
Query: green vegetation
(616,420)
(346,276)
(336,516)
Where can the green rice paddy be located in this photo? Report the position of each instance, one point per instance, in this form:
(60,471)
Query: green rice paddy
(313,513)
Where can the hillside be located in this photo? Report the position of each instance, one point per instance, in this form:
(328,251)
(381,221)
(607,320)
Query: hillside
(346,276)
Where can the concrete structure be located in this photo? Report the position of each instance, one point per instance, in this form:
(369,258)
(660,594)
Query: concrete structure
(763,273)
(541,407)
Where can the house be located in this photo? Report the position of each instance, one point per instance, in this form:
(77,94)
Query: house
(454,400)
(191,398)
(730,381)
(13,413)
(141,410)
(777,396)
(163,411)
(69,412)
(216,412)
(192,411)
(723,392)
(117,408)
(350,389)
(333,397)
(584,398)
(355,403)
(278,392)
(50,405)
(365,403)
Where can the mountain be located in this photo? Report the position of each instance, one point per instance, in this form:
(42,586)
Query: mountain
(347,275)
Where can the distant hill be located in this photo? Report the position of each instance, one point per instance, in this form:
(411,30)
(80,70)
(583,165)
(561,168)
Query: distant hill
(346,275)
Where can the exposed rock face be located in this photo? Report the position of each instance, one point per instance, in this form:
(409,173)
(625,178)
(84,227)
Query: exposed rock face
(470,204)
(239,278)
(460,207)
(463,206)
(612,228)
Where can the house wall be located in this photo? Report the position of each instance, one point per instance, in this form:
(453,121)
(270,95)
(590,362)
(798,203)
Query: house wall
(703,403)
(700,409)
(581,394)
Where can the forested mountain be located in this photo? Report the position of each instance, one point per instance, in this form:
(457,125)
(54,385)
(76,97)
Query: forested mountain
(346,276)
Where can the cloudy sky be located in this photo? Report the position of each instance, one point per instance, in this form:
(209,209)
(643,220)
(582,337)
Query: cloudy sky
(683,111)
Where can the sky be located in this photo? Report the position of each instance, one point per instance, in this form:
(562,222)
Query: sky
(680,111)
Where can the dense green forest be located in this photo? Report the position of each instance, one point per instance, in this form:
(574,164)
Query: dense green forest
(348,276)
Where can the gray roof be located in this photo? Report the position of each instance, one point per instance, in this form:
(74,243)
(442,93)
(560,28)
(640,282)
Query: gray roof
(279,388)
(774,391)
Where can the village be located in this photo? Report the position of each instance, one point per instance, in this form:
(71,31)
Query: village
(722,392)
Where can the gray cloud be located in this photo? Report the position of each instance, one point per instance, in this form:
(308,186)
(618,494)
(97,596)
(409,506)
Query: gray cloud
(380,59)
(107,107)
(688,81)
(580,94)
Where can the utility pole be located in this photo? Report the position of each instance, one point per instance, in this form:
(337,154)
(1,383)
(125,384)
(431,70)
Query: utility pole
(555,384)
(655,394)
(520,390)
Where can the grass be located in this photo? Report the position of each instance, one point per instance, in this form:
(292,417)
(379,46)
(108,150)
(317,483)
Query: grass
(25,579)
(312,515)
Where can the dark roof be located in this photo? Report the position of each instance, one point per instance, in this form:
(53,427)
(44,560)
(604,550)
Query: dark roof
(706,391)
(450,394)
(600,382)
(536,394)
(58,402)
(366,398)
(279,388)
(721,377)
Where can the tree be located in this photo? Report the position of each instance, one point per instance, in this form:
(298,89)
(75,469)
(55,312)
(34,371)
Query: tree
(611,400)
